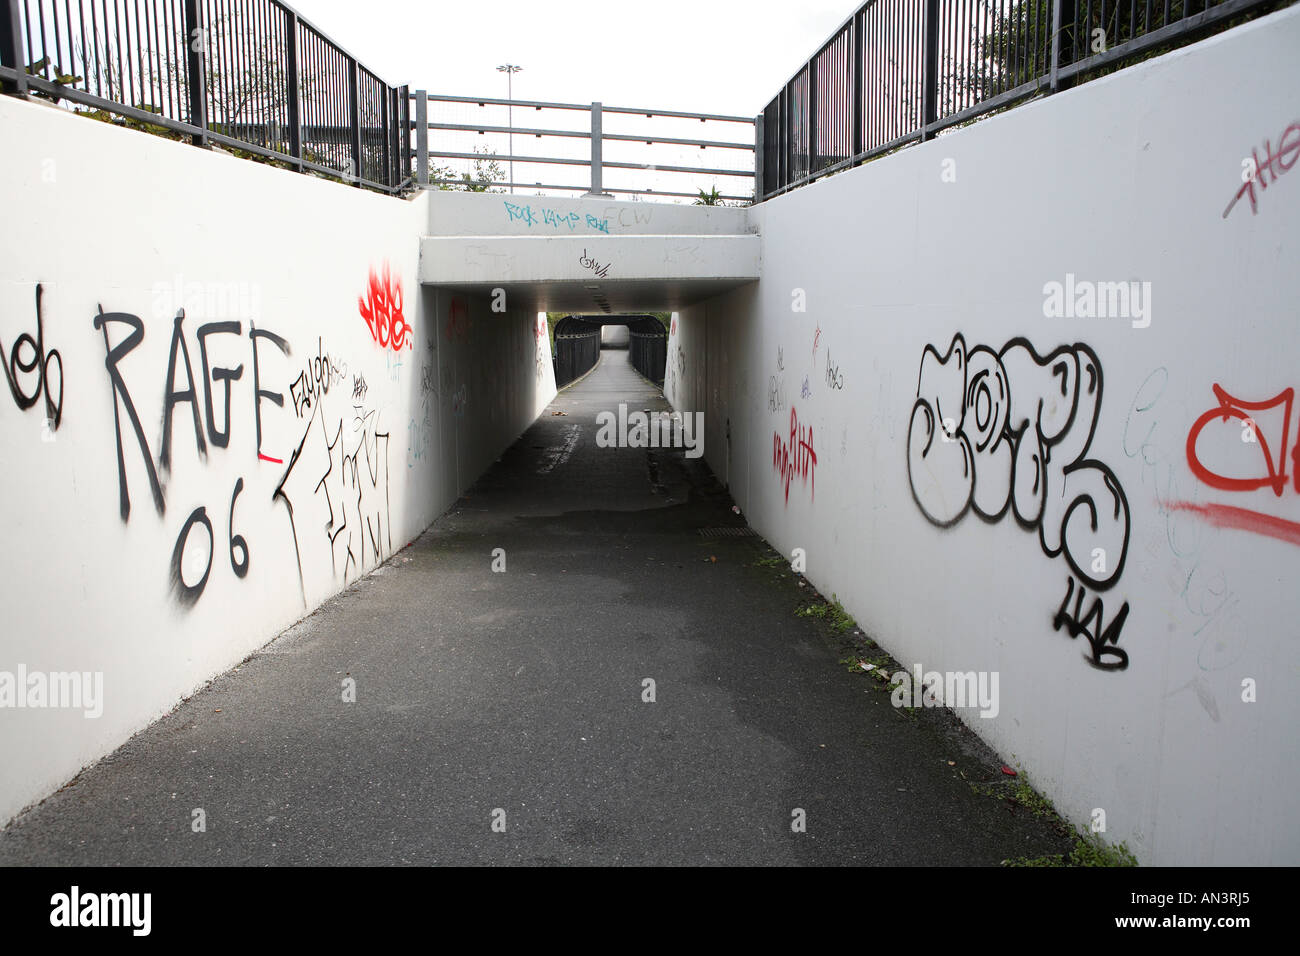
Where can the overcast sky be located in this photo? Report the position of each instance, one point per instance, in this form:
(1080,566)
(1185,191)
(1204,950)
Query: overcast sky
(708,56)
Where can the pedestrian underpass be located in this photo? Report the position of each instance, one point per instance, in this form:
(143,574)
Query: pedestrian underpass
(321,414)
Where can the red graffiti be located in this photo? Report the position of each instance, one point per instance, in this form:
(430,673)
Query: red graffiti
(1288,150)
(381,307)
(796,456)
(1268,460)
(458,320)
(674,329)
(1232,407)
(1243,519)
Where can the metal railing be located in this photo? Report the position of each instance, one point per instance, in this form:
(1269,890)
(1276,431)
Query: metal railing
(604,150)
(250,75)
(901,71)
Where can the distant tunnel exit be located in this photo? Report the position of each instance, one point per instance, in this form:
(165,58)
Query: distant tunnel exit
(579,339)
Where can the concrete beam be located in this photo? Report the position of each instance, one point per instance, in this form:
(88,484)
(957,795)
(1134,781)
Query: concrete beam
(600,260)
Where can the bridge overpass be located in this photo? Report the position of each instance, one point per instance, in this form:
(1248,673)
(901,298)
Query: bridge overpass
(1018,398)
(555,254)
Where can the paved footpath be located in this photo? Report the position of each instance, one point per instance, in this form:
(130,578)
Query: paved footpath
(522,692)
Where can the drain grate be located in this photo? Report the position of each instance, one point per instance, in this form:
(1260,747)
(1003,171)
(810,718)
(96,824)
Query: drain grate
(727,533)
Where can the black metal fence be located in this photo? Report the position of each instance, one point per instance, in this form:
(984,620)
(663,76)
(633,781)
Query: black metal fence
(901,71)
(250,75)
(648,347)
(577,346)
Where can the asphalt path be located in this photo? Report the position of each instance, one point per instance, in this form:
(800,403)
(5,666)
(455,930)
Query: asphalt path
(506,718)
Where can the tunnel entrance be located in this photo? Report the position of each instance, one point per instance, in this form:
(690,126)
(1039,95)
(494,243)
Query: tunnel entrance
(580,338)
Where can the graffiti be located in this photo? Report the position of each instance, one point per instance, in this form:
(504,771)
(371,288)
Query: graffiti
(1005,431)
(1243,458)
(458,320)
(1254,171)
(775,394)
(588,262)
(525,213)
(259,394)
(1010,431)
(359,387)
(817,342)
(38,360)
(1243,519)
(186,593)
(520,212)
(187,582)
(1201,587)
(381,307)
(459,400)
(1103,640)
(122,399)
(417,439)
(780,359)
(553,218)
(834,378)
(343,478)
(674,328)
(428,381)
(322,372)
(630,215)
(1250,433)
(172,397)
(223,376)
(795,456)
(805,390)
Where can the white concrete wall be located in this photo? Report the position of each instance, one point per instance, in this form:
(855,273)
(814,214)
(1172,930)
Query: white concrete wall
(1126,178)
(453,213)
(105,219)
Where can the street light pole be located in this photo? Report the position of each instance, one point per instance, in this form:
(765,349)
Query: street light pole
(510,69)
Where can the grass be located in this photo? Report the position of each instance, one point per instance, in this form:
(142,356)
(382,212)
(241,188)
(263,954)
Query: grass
(832,613)
(1087,850)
